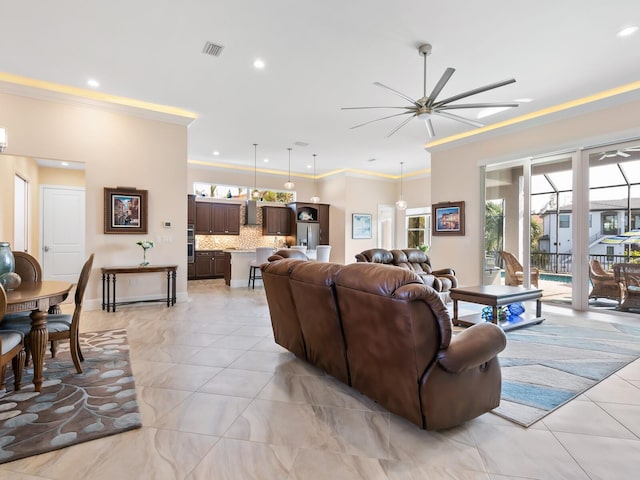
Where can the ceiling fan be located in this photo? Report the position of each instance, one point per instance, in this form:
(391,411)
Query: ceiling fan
(426,107)
(619,153)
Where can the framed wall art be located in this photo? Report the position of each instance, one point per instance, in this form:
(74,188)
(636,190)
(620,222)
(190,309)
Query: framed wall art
(361,225)
(125,210)
(447,218)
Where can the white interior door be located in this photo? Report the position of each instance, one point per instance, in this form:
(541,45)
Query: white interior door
(63,232)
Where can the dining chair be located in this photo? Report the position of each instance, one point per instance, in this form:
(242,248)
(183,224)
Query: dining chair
(323,252)
(60,326)
(11,348)
(262,256)
(27,267)
(513,271)
(301,248)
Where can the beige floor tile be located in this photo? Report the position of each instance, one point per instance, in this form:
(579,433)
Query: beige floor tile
(144,453)
(517,451)
(405,470)
(603,458)
(321,465)
(353,432)
(204,413)
(163,353)
(614,390)
(627,415)
(571,418)
(215,356)
(154,403)
(630,372)
(238,460)
(169,375)
(240,342)
(262,361)
(239,383)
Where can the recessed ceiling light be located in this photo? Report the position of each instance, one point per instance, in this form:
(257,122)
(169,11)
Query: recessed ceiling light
(523,100)
(216,153)
(626,31)
(64,164)
(93,83)
(309,166)
(259,64)
(266,160)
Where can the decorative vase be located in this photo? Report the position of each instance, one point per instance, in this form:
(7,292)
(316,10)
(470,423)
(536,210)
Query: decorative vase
(10,280)
(144,258)
(7,261)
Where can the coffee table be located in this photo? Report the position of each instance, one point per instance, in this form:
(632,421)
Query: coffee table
(496,296)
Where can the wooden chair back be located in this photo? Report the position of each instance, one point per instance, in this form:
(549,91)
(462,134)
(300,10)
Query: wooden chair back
(27,267)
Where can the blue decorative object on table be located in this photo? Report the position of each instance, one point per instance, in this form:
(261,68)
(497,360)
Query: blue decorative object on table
(506,313)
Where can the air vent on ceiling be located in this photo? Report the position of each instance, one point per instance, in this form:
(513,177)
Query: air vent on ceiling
(212,49)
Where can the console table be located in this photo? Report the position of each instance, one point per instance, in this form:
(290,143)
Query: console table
(109,284)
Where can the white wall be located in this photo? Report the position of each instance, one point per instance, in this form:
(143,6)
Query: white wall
(118,149)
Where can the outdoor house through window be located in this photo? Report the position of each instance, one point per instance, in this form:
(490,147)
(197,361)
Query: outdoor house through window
(608,225)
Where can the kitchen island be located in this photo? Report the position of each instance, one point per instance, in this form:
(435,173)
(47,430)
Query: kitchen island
(238,274)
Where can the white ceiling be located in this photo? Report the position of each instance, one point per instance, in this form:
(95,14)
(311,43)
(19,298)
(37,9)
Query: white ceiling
(320,56)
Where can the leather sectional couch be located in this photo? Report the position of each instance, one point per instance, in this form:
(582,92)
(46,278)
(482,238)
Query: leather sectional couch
(417,261)
(386,334)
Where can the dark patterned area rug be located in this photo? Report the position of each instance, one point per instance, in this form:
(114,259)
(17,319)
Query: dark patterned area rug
(547,365)
(72,408)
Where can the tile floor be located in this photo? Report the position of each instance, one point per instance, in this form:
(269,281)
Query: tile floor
(220,400)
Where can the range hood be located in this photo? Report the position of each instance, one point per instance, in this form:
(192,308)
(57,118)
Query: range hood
(252,213)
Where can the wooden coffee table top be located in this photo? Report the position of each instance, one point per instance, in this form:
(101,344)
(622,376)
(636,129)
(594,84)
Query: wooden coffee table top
(493,293)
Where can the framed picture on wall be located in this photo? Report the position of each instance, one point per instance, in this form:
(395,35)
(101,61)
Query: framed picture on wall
(361,225)
(448,218)
(125,210)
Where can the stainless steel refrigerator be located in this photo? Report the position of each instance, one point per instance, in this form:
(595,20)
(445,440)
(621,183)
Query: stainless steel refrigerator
(308,235)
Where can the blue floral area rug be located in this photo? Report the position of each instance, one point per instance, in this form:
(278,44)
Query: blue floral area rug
(547,365)
(72,408)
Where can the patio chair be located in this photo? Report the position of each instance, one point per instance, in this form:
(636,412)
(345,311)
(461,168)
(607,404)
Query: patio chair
(604,283)
(513,271)
(628,276)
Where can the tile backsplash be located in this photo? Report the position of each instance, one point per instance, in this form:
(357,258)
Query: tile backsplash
(250,237)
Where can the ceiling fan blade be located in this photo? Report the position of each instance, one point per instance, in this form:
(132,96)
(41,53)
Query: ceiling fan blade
(476,105)
(362,108)
(378,119)
(632,149)
(604,155)
(407,98)
(440,85)
(622,154)
(458,118)
(475,91)
(429,126)
(404,122)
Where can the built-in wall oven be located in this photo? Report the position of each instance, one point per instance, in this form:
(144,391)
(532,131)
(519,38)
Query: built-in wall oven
(191,244)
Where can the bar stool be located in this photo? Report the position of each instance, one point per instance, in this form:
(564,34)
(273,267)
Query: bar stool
(262,256)
(322,253)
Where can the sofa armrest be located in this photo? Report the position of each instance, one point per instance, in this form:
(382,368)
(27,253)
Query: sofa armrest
(472,347)
(443,272)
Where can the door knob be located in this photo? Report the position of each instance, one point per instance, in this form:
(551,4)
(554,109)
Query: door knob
(46,248)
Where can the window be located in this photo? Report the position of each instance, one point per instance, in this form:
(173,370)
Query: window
(234,192)
(565,220)
(610,224)
(418,230)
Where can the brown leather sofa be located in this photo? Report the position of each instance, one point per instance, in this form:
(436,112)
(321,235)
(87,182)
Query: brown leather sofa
(385,333)
(417,261)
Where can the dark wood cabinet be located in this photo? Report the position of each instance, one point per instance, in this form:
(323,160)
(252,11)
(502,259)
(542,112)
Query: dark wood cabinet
(210,264)
(227,269)
(191,271)
(204,265)
(217,219)
(191,209)
(276,221)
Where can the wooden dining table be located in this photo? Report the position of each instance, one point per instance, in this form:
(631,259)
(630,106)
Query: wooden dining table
(38,298)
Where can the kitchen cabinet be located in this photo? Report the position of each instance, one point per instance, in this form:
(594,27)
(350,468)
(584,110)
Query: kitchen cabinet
(191,209)
(191,271)
(210,264)
(227,269)
(276,221)
(217,218)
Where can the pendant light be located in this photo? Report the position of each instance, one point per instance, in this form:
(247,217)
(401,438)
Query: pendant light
(401,204)
(255,194)
(315,198)
(289,184)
